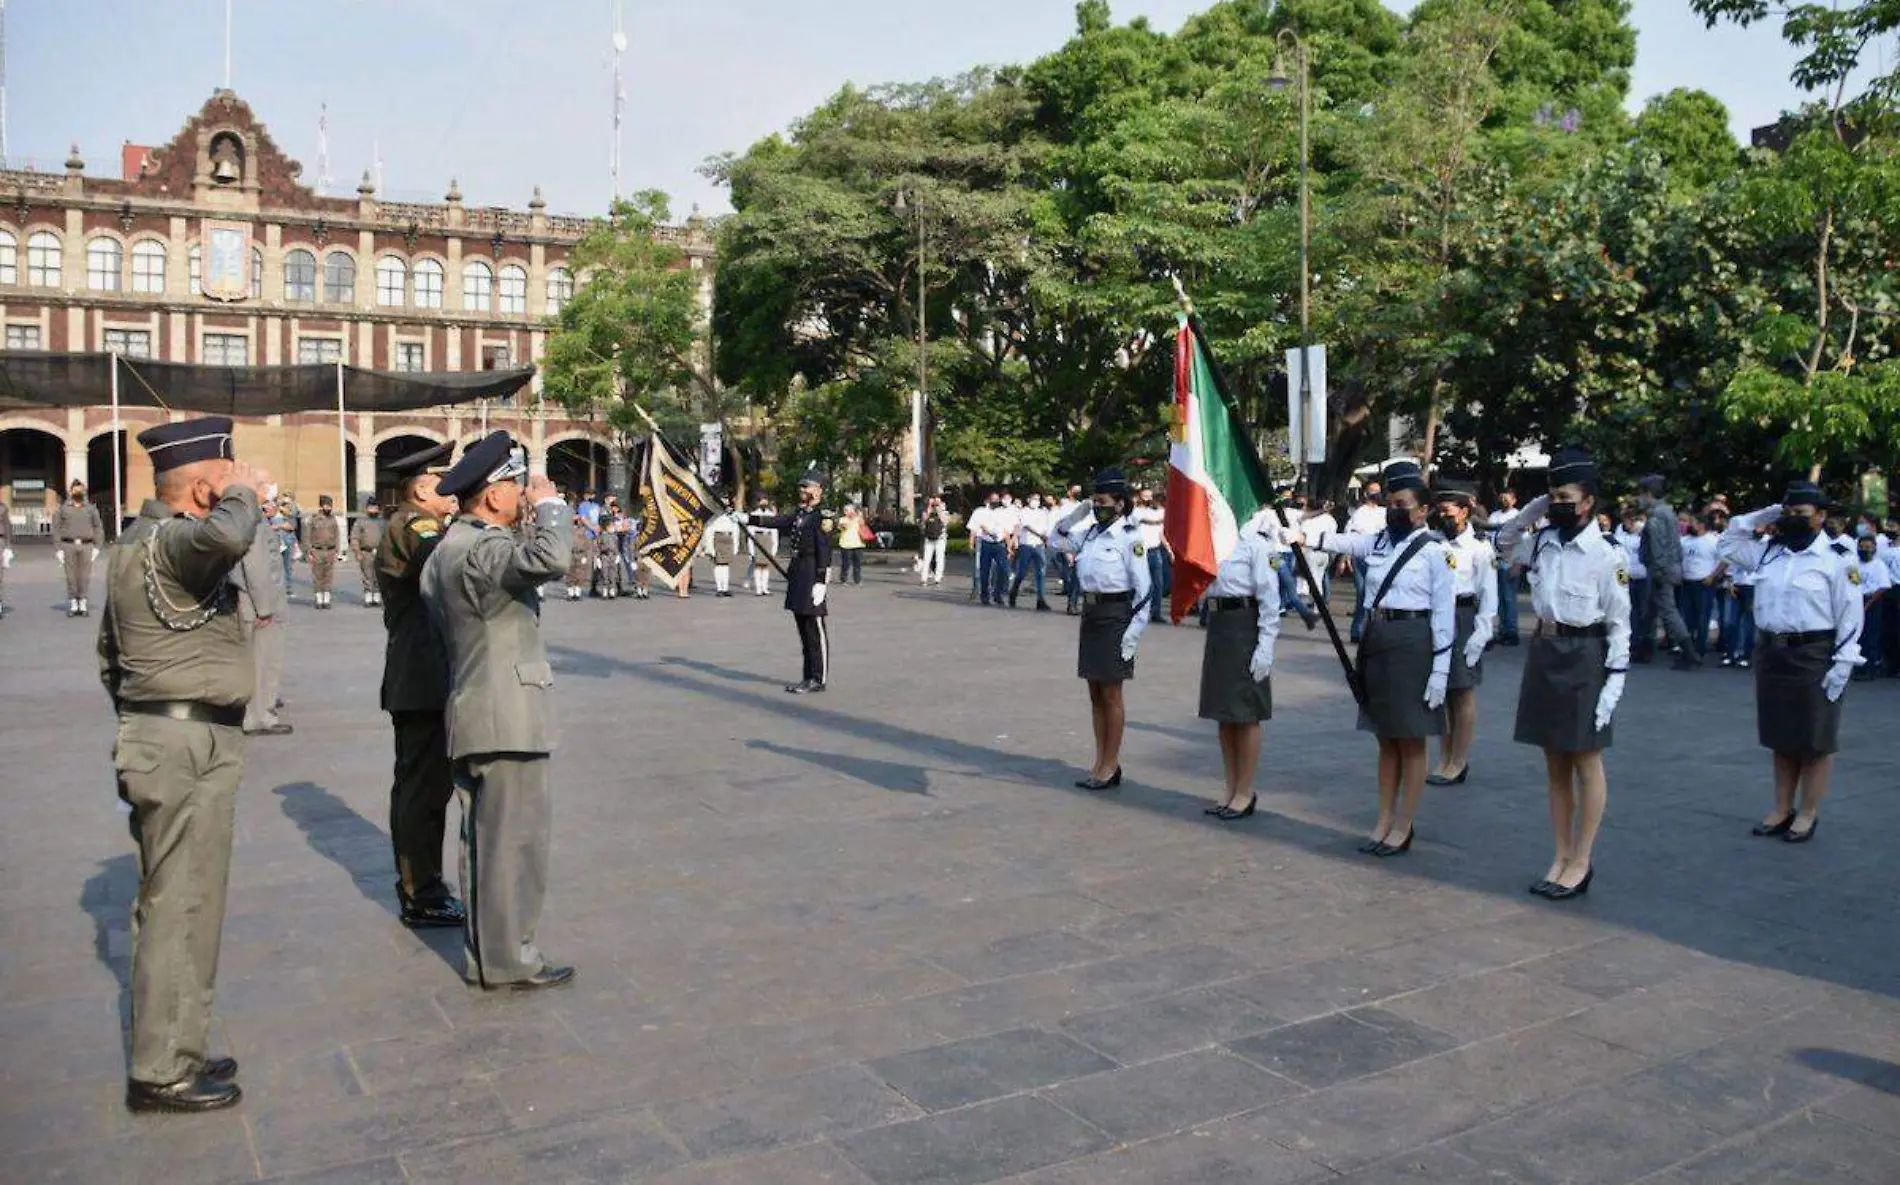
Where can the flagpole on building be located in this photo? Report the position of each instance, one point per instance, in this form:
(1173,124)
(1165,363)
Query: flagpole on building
(118,442)
(1299,553)
(342,448)
(724,507)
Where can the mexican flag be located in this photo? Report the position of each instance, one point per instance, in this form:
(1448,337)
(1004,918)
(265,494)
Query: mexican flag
(1215,479)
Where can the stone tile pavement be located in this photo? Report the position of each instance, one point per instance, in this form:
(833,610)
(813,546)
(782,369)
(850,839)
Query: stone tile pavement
(875,938)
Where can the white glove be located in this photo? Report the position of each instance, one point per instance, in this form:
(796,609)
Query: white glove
(1608,698)
(1834,683)
(6,558)
(95,553)
(1435,689)
(817,595)
(741,517)
(60,555)
(1128,648)
(1474,650)
(1261,665)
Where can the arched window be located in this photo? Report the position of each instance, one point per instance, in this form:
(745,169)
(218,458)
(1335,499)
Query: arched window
(428,284)
(43,260)
(560,290)
(392,278)
(339,279)
(300,276)
(257,273)
(105,265)
(478,284)
(513,290)
(148,266)
(9,258)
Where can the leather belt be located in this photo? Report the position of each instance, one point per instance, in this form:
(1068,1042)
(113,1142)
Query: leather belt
(189,710)
(1233,602)
(1800,639)
(1468,602)
(1598,630)
(1401,614)
(1108,598)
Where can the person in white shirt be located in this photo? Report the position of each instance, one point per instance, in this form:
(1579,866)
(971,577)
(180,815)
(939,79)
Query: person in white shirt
(762,544)
(1474,571)
(1032,535)
(1578,660)
(1876,585)
(722,544)
(1696,596)
(1063,562)
(1368,519)
(1111,564)
(1243,619)
(990,527)
(1808,619)
(934,526)
(1405,657)
(1629,537)
(1150,516)
(1507,576)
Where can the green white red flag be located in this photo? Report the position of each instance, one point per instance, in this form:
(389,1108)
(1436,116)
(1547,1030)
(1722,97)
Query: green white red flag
(1216,482)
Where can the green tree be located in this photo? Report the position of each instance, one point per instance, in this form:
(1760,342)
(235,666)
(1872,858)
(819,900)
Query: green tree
(1688,131)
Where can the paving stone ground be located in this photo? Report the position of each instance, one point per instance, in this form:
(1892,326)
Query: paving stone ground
(875,938)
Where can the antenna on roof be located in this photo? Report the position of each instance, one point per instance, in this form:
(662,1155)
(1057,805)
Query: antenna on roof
(227,44)
(620,98)
(323,148)
(3,81)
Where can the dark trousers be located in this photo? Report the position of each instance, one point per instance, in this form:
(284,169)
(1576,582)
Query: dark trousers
(1873,636)
(1161,580)
(1639,610)
(816,644)
(419,804)
(993,570)
(1507,601)
(1359,600)
(1738,623)
(1692,598)
(851,565)
(1029,558)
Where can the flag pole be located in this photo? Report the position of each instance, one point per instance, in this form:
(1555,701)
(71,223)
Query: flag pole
(1299,553)
(724,507)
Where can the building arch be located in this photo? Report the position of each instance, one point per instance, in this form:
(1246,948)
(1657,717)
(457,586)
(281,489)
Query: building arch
(578,461)
(31,450)
(429,436)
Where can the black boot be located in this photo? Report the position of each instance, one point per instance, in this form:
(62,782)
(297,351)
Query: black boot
(198,1092)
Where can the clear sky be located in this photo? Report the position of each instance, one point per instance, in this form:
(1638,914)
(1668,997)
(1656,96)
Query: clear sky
(509,94)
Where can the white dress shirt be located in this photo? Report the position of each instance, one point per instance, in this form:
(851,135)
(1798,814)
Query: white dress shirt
(1476,576)
(1425,582)
(1799,592)
(1107,559)
(1254,571)
(1579,583)
(1032,527)
(1698,558)
(1151,520)
(987,524)
(1631,542)
(1366,520)
(1874,577)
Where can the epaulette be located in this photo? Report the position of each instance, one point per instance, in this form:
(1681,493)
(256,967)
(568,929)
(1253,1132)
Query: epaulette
(1839,548)
(425,526)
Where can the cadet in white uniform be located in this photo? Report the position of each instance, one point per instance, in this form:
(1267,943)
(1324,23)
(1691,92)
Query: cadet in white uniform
(1579,657)
(1112,566)
(1243,620)
(1808,617)
(1405,652)
(1474,580)
(762,544)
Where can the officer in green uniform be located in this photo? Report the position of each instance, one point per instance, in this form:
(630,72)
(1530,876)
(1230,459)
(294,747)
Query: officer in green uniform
(366,535)
(323,539)
(175,659)
(416,691)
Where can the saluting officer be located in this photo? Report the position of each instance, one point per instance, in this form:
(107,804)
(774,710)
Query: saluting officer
(1112,566)
(77,527)
(1405,652)
(1808,619)
(323,538)
(1474,581)
(1243,620)
(415,692)
(811,530)
(482,587)
(366,535)
(176,662)
(1573,675)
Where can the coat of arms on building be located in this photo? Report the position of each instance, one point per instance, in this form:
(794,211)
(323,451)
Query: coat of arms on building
(226,250)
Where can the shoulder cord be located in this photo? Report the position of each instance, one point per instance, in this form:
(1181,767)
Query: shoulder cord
(171,615)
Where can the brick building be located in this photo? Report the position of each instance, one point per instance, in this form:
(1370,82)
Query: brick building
(211,250)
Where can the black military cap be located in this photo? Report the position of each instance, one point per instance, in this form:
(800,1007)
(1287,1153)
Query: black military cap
(1572,466)
(1111,481)
(188,442)
(814,477)
(325,500)
(418,463)
(1460,492)
(493,458)
(1403,475)
(1802,492)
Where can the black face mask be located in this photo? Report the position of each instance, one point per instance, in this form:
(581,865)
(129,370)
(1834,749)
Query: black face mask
(1567,517)
(1796,531)
(1867,555)
(1399,522)
(1444,524)
(1106,514)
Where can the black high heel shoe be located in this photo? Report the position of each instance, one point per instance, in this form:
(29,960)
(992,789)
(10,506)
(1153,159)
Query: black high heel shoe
(1372,845)
(1793,836)
(1228,814)
(1095,783)
(1386,849)
(1214,810)
(1558,892)
(1442,780)
(1771,830)
(1541,888)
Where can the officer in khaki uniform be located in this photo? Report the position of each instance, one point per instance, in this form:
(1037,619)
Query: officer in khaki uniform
(415,692)
(323,538)
(482,587)
(366,535)
(174,658)
(77,527)
(262,605)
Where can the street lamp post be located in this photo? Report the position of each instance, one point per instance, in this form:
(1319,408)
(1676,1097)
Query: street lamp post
(1280,80)
(925,465)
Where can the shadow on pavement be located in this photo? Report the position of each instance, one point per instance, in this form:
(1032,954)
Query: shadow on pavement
(732,673)
(108,898)
(1883,1076)
(1656,891)
(885,775)
(359,847)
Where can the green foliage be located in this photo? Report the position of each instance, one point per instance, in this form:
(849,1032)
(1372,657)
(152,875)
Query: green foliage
(1688,131)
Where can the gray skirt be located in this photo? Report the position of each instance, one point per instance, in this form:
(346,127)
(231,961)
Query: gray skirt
(1463,676)
(1395,661)
(1792,715)
(1557,704)
(1228,691)
(1099,659)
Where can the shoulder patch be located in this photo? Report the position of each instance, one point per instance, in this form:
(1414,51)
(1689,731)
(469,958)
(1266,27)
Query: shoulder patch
(1274,562)
(1451,558)
(1853,574)
(425,527)
(1622,576)
(1140,551)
